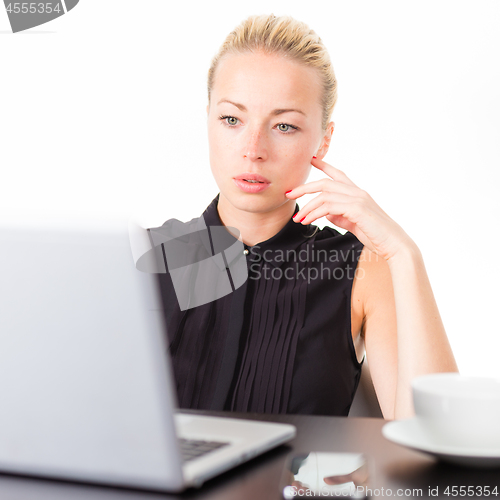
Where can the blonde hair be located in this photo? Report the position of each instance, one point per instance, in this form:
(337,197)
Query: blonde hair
(286,36)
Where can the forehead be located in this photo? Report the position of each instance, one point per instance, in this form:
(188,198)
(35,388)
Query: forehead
(267,78)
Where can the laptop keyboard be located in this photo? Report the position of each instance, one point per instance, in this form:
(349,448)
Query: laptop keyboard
(192,448)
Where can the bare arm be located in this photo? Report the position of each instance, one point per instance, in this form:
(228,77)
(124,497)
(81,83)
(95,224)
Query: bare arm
(403,332)
(423,346)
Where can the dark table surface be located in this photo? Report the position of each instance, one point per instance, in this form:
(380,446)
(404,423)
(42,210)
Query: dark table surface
(406,473)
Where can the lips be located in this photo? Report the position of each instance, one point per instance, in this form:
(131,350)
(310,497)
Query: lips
(253,178)
(251,183)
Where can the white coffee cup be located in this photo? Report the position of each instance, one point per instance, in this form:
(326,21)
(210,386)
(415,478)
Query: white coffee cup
(458,411)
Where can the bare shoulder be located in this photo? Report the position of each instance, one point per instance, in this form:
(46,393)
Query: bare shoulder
(372,285)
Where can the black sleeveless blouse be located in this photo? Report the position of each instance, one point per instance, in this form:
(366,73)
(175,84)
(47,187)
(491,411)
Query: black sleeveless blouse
(281,342)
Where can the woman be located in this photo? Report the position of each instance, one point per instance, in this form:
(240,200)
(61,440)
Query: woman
(292,338)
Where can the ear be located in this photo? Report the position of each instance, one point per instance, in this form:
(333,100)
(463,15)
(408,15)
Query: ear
(325,142)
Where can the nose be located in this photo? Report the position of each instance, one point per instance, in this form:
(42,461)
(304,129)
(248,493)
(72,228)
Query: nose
(255,147)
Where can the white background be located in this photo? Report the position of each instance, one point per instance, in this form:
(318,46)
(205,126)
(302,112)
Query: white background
(102,116)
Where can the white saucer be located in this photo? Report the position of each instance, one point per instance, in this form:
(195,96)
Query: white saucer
(408,433)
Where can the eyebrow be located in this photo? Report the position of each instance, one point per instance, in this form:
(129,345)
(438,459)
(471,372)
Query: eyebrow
(274,112)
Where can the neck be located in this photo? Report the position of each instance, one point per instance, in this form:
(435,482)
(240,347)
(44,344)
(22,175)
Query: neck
(255,227)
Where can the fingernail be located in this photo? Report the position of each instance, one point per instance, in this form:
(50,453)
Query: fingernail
(302,219)
(288,191)
(314,156)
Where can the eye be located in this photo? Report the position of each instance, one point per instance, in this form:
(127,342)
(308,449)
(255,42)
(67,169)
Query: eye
(286,128)
(230,120)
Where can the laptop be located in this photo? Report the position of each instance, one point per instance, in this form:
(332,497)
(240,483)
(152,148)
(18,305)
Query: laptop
(86,388)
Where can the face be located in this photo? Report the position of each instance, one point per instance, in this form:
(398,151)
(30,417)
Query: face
(264,126)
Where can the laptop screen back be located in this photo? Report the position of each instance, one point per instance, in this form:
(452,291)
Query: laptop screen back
(85,387)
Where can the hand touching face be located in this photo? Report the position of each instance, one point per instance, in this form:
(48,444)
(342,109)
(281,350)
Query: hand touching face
(349,207)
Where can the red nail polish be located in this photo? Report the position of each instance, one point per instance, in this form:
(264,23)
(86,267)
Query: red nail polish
(302,219)
(288,191)
(314,156)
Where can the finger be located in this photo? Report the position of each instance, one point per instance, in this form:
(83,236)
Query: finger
(331,171)
(322,185)
(340,479)
(322,211)
(342,223)
(318,201)
(353,212)
(343,215)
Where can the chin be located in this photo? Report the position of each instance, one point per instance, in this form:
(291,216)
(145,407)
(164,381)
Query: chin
(255,203)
